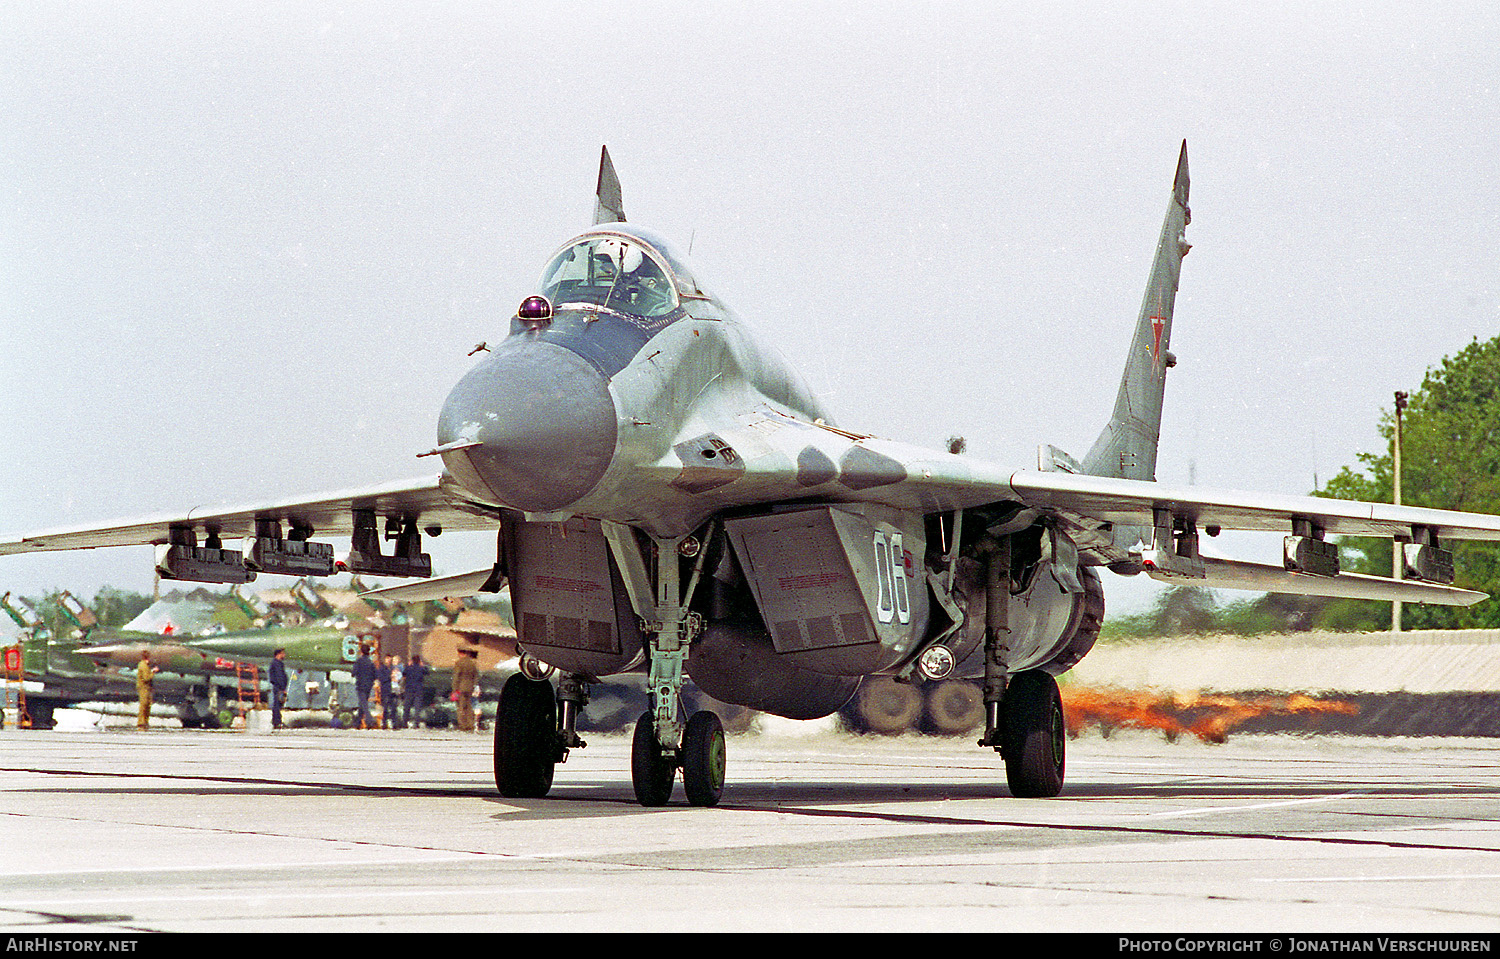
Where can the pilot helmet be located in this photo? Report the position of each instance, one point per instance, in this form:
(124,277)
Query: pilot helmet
(626,255)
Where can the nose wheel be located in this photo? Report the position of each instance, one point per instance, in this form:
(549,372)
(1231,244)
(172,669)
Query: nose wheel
(702,758)
(652,768)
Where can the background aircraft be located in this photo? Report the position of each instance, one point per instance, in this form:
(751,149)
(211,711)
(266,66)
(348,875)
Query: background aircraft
(321,630)
(669,497)
(199,659)
(64,670)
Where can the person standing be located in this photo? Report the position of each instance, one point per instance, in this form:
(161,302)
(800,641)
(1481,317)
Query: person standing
(388,714)
(278,686)
(465,678)
(144,674)
(364,683)
(413,680)
(398,687)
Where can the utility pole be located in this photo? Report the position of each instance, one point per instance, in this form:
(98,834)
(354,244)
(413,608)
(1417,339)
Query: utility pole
(1396,557)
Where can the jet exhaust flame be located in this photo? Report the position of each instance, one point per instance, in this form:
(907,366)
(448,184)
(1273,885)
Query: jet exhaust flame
(1209,717)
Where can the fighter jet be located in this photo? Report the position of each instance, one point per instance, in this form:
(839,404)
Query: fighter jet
(59,671)
(669,497)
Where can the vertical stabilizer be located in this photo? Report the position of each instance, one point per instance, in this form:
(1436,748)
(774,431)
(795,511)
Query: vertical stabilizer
(608,206)
(1127,447)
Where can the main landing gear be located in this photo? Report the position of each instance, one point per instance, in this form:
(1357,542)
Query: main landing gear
(1033,737)
(1023,712)
(527,745)
(534,728)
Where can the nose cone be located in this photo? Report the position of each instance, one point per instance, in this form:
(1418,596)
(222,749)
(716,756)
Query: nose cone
(544,422)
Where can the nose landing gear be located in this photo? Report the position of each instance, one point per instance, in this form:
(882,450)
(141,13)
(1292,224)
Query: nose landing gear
(663,743)
(702,759)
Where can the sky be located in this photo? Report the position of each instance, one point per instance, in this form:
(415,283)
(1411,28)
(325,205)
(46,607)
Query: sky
(245,248)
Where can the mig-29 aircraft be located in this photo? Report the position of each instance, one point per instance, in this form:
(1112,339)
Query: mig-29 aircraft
(669,497)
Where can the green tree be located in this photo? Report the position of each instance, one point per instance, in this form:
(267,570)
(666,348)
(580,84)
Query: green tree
(1185,610)
(1450,459)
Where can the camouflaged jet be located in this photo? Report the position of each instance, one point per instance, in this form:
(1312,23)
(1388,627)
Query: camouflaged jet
(59,671)
(670,498)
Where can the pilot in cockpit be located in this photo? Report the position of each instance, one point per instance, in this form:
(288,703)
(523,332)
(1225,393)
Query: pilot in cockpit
(614,272)
(640,287)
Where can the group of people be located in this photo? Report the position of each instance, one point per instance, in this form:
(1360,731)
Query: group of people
(390,675)
(367,674)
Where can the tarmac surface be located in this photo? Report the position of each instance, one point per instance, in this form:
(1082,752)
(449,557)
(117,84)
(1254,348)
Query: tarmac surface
(114,831)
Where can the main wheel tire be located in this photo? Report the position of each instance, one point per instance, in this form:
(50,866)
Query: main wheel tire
(525,738)
(651,772)
(1035,738)
(703,759)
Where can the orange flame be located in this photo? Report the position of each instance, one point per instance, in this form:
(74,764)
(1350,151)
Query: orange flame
(1209,717)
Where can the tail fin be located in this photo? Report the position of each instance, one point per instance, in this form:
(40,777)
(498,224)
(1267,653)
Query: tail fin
(608,206)
(1127,447)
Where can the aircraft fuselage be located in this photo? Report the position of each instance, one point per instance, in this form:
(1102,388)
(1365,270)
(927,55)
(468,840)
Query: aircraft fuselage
(592,420)
(613,416)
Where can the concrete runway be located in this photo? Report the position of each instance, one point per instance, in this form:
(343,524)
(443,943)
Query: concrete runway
(113,830)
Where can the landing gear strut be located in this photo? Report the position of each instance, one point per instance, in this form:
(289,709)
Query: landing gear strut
(1023,712)
(663,743)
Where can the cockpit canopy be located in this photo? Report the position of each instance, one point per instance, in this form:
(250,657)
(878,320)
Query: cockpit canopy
(607,292)
(619,273)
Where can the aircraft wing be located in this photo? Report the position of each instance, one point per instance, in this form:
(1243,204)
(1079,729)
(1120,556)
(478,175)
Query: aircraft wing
(1131,503)
(1134,502)
(441,587)
(430,501)
(1110,520)
(869,469)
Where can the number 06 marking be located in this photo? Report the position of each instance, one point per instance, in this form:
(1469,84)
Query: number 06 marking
(892,598)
